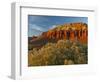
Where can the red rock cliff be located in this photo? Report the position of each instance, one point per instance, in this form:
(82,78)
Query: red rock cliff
(72,31)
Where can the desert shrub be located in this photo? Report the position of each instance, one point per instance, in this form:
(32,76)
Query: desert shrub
(70,62)
(30,46)
(63,44)
(64,52)
(65,62)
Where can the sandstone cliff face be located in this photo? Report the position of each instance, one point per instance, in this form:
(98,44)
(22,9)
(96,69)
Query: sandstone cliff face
(72,31)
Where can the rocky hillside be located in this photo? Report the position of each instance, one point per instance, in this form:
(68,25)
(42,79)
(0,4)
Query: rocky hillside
(67,31)
(70,31)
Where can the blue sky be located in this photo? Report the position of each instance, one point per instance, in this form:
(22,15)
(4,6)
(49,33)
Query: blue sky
(39,24)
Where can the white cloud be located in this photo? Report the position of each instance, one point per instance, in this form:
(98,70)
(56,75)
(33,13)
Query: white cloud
(53,26)
(34,26)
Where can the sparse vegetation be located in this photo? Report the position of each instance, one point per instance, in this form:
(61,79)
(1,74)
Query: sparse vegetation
(64,52)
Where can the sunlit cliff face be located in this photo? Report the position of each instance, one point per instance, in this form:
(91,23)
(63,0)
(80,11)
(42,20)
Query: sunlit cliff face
(73,32)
